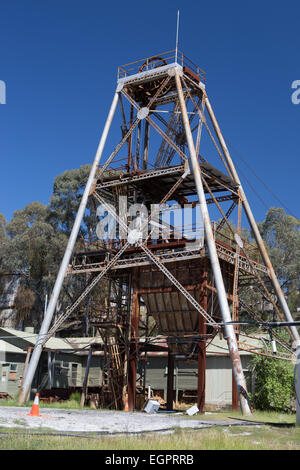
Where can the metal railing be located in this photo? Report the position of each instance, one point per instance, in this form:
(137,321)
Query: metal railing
(189,231)
(229,241)
(160,60)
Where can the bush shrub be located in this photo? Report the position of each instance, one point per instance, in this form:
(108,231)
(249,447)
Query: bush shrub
(75,396)
(274,384)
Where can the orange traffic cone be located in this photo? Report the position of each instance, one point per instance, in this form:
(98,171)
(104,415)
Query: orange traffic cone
(35,407)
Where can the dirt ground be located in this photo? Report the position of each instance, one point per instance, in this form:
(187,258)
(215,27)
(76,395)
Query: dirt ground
(110,422)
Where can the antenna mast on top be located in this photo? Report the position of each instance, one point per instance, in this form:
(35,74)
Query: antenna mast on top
(177,30)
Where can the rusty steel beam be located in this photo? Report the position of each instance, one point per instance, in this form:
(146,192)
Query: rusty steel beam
(235,397)
(178,285)
(235,304)
(86,378)
(28,353)
(133,346)
(170,381)
(156,127)
(202,117)
(253,223)
(202,349)
(83,294)
(224,307)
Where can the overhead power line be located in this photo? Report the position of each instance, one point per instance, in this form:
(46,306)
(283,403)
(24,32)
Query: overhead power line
(238,154)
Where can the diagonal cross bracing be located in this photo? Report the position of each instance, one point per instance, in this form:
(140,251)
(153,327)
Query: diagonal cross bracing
(177,284)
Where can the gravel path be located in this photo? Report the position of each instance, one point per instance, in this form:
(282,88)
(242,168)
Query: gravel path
(95,421)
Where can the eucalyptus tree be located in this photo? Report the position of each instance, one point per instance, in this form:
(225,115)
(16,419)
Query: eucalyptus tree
(281,233)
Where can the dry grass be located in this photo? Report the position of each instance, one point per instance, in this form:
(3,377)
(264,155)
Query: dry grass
(257,415)
(258,437)
(218,438)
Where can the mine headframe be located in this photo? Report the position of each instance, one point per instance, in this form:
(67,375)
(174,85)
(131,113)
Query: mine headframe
(165,114)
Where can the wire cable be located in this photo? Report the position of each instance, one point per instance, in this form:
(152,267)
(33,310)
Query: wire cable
(259,179)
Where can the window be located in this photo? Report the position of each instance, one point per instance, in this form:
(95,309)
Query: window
(12,372)
(5,369)
(74,375)
(57,367)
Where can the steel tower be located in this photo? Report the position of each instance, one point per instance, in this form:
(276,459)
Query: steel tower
(188,283)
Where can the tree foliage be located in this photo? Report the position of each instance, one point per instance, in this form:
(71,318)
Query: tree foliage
(67,192)
(281,233)
(31,245)
(34,241)
(274,384)
(24,302)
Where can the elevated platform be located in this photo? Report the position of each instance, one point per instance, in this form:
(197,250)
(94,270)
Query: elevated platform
(145,69)
(93,254)
(154,183)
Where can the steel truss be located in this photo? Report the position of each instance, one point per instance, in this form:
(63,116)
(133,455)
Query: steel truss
(178,172)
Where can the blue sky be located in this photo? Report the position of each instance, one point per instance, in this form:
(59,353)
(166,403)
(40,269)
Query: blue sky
(59,61)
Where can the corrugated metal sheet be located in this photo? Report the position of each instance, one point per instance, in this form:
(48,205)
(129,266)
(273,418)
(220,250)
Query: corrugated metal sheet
(217,347)
(6,347)
(173,314)
(218,377)
(23,339)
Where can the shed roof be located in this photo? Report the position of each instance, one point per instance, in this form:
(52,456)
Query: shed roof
(10,348)
(18,341)
(218,346)
(21,340)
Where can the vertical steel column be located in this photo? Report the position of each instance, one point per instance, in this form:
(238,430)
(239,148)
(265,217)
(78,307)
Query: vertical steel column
(234,395)
(129,162)
(202,347)
(170,382)
(145,354)
(235,398)
(146,145)
(226,316)
(66,259)
(252,223)
(134,329)
(86,378)
(28,352)
(235,304)
(50,378)
(126,346)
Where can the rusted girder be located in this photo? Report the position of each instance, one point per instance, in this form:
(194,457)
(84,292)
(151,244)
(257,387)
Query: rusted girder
(229,331)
